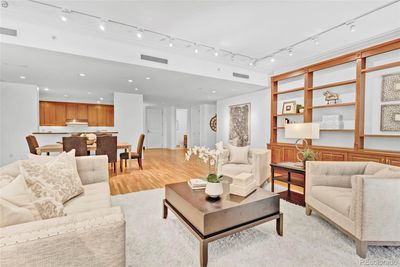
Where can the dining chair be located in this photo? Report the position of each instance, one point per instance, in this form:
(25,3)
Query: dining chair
(107,145)
(75,142)
(32,144)
(134,155)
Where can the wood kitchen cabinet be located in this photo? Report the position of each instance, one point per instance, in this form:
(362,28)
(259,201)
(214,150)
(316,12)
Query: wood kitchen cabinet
(56,113)
(76,111)
(52,113)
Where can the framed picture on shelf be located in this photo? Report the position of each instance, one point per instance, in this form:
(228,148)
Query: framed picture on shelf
(289,107)
(391,87)
(390,118)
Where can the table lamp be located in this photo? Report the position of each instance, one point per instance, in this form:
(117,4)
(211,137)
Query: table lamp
(302,131)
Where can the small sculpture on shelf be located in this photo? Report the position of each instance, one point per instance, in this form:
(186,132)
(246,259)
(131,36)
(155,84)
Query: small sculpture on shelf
(331,97)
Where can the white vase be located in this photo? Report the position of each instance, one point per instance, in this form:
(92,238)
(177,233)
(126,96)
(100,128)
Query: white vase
(214,190)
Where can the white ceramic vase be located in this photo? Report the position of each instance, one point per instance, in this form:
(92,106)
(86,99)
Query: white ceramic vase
(214,190)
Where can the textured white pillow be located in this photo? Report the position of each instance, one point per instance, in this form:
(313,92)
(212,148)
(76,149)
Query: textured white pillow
(16,193)
(11,214)
(46,159)
(239,155)
(57,177)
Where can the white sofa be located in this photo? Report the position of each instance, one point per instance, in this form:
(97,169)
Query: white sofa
(259,165)
(92,233)
(363,205)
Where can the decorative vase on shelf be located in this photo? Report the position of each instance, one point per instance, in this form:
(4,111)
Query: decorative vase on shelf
(214,187)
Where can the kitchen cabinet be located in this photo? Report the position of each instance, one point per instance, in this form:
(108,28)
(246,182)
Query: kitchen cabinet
(56,113)
(52,113)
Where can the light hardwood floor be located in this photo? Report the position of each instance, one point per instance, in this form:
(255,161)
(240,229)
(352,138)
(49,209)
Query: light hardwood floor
(160,167)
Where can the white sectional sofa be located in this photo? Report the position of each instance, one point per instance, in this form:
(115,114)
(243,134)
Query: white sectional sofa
(91,234)
(358,198)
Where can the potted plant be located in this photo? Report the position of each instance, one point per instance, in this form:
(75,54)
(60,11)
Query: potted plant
(211,157)
(306,155)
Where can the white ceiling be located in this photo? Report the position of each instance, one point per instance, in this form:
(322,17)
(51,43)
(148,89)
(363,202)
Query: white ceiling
(59,73)
(254,28)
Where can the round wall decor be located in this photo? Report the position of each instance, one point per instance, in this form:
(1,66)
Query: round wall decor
(213,123)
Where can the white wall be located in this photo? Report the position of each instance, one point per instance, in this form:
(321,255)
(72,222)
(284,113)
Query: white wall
(169,121)
(207,136)
(194,137)
(181,125)
(128,117)
(19,113)
(260,117)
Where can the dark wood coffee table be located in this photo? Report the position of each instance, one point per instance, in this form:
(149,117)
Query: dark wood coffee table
(209,220)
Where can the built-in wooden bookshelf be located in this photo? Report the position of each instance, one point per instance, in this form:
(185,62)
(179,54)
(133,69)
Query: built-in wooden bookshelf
(287,152)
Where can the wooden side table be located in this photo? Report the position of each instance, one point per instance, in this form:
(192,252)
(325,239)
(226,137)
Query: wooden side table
(299,180)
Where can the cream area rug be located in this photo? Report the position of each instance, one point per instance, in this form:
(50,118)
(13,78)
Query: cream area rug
(306,241)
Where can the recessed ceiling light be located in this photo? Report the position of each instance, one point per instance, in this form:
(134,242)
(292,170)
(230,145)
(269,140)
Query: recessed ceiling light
(98,101)
(101,98)
(136,89)
(46,89)
(22,77)
(82,74)
(130,81)
(65,95)
(213,91)
(147,78)
(89,93)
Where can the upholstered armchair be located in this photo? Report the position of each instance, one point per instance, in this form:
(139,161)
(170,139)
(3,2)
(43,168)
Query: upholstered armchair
(360,198)
(259,161)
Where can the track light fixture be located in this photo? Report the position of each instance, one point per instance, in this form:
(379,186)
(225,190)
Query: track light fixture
(196,49)
(64,14)
(171,42)
(290,51)
(315,40)
(102,25)
(352,26)
(233,57)
(216,53)
(272,59)
(139,33)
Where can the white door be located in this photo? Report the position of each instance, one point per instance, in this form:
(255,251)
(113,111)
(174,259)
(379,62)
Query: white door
(154,125)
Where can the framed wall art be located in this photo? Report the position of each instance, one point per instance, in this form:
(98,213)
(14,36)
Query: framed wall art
(391,87)
(289,107)
(390,118)
(239,124)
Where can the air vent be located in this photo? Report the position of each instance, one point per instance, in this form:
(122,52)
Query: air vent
(239,75)
(154,59)
(7,31)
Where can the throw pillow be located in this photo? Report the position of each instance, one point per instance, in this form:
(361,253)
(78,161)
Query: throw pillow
(16,193)
(58,178)
(11,214)
(46,159)
(5,179)
(239,155)
(387,172)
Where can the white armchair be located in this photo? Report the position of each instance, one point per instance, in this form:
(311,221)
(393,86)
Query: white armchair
(259,165)
(359,202)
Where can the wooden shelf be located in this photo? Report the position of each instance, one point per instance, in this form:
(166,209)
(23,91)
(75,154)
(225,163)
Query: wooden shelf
(289,114)
(381,67)
(336,130)
(334,105)
(289,91)
(294,180)
(382,135)
(329,85)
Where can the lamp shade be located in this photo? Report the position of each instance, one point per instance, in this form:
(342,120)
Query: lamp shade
(302,130)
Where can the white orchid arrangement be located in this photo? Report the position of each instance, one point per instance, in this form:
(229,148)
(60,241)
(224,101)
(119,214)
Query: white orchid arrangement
(209,156)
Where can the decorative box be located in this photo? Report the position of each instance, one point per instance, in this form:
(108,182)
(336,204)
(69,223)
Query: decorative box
(243,191)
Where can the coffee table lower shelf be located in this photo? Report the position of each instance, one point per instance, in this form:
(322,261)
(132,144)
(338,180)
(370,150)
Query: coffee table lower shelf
(293,197)
(204,240)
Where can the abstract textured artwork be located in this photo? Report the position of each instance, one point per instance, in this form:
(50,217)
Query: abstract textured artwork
(391,87)
(239,127)
(390,115)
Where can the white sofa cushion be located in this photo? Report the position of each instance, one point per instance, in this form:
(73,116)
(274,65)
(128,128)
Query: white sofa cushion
(235,169)
(11,214)
(337,198)
(96,196)
(239,155)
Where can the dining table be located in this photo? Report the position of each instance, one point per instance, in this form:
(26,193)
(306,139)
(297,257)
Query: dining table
(59,148)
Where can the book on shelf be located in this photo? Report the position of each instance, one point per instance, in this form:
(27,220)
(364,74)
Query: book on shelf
(197,183)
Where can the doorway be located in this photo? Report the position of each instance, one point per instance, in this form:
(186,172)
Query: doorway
(154,128)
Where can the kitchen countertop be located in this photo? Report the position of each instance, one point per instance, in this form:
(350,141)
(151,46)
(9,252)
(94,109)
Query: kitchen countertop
(72,132)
